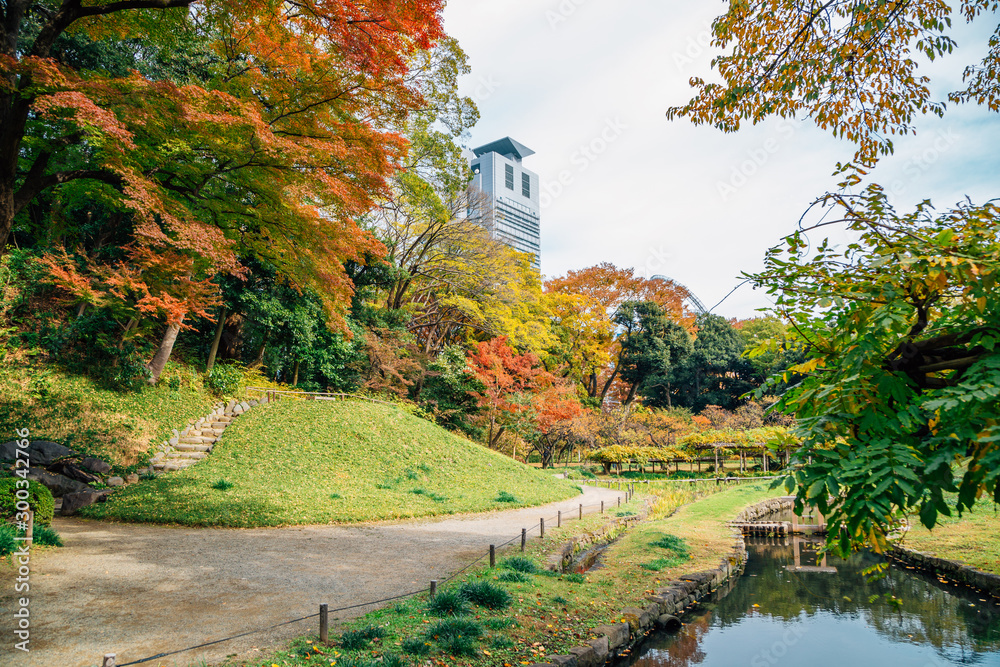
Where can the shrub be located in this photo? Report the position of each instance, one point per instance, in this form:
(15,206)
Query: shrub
(448,603)
(486,594)
(394,660)
(224,380)
(512,577)
(360,639)
(416,646)
(8,543)
(504,497)
(45,536)
(456,636)
(519,564)
(222,485)
(39,499)
(335,496)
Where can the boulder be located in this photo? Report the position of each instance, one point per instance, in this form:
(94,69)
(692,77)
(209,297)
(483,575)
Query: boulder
(131,479)
(115,481)
(600,646)
(561,660)
(73,471)
(59,485)
(617,634)
(71,502)
(40,452)
(586,656)
(96,465)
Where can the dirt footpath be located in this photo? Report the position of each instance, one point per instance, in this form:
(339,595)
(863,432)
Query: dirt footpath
(140,590)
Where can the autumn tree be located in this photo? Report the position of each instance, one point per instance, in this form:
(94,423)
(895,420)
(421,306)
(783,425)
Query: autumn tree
(509,380)
(898,406)
(278,139)
(652,345)
(584,304)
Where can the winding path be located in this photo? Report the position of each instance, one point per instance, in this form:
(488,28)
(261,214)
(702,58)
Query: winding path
(141,590)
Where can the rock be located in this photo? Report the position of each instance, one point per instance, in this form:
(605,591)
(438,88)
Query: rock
(96,465)
(74,471)
(115,481)
(253,404)
(132,479)
(40,452)
(561,660)
(617,634)
(601,650)
(59,485)
(71,502)
(245,406)
(586,656)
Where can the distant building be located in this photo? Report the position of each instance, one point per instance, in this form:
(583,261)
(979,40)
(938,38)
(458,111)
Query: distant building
(513,194)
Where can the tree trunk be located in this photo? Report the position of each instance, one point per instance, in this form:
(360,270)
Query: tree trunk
(295,375)
(259,361)
(163,354)
(214,350)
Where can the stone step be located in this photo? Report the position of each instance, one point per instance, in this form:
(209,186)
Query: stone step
(196,440)
(220,426)
(185,447)
(197,456)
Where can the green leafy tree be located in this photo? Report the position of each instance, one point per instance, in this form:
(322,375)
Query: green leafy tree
(715,372)
(652,346)
(899,403)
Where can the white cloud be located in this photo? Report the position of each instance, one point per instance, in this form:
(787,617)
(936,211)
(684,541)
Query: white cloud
(668,197)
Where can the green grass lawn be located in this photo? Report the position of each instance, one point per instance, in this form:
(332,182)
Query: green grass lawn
(974,538)
(549,612)
(73,410)
(318,462)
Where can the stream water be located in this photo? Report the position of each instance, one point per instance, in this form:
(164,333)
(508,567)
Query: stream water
(792,607)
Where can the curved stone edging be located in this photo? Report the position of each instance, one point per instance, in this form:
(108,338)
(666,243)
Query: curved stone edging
(677,596)
(985,582)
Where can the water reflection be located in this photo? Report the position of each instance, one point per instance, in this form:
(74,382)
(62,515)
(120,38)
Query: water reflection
(794,607)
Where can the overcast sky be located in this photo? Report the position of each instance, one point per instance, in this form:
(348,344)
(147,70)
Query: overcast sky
(586,84)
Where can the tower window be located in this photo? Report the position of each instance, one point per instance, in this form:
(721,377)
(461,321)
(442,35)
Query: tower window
(509,174)
(526,185)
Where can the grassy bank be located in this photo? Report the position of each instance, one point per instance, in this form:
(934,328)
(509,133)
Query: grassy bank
(546,613)
(973,538)
(75,411)
(318,462)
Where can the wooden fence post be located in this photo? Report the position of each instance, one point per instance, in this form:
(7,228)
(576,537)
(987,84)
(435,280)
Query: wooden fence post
(324,624)
(559,519)
(109,660)
(581,511)
(434,587)
(541,528)
(524,537)
(619,501)
(493,556)
(602,507)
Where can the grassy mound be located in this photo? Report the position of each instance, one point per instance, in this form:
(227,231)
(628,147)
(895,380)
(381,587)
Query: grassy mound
(75,411)
(316,462)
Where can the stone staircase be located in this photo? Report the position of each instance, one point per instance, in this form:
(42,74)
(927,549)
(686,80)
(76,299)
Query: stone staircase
(196,441)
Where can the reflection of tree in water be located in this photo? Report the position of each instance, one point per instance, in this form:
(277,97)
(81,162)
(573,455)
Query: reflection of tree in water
(929,613)
(682,649)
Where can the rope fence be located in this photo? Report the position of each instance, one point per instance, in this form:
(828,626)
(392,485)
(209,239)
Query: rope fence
(629,491)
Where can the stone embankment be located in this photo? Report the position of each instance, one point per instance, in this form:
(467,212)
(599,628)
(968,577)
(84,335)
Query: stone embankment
(199,437)
(967,575)
(665,604)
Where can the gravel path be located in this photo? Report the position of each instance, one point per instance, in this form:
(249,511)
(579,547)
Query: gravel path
(140,590)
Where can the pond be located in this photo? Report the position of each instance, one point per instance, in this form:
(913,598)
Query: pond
(792,607)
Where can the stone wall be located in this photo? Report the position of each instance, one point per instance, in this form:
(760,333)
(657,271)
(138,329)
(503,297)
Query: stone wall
(665,604)
(983,581)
